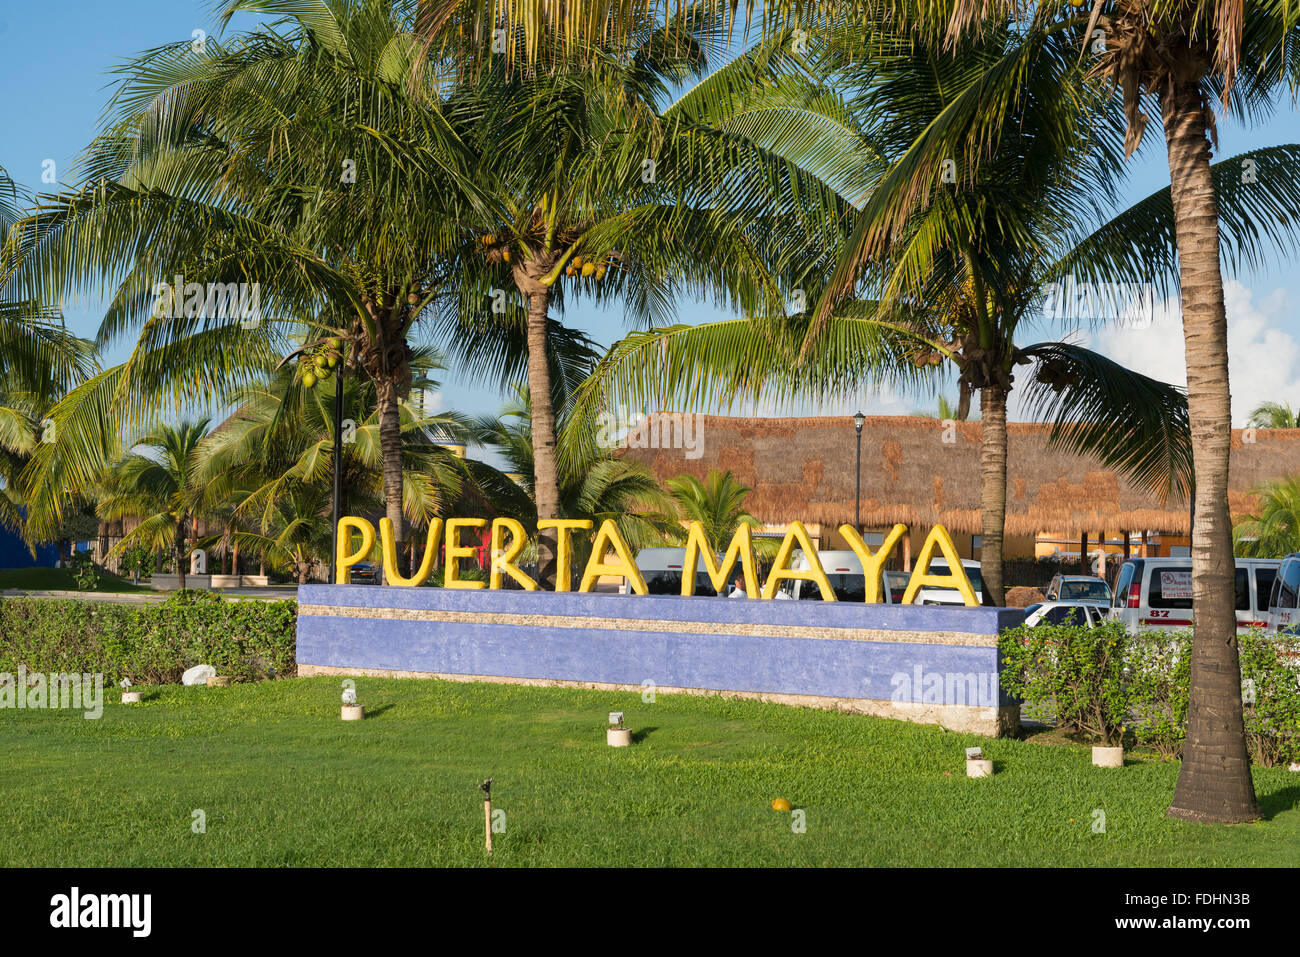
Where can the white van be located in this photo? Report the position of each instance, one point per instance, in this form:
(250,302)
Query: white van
(844,570)
(1157,592)
(662,570)
(1283,615)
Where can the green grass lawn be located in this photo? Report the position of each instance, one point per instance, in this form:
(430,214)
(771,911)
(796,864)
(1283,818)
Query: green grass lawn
(284,782)
(60,579)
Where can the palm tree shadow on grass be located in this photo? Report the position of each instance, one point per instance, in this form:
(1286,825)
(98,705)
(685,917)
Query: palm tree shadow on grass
(1279,802)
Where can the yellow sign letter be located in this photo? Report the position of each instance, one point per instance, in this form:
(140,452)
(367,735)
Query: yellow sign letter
(457,551)
(872,565)
(503,559)
(956,577)
(609,537)
(344,561)
(742,547)
(795,532)
(563,554)
(392,576)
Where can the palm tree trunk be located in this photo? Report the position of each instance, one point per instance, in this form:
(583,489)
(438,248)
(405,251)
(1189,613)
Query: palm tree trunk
(390,446)
(1214,782)
(963,400)
(546,476)
(993,490)
(180,555)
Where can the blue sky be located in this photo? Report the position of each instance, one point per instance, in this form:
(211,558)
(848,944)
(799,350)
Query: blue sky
(55,63)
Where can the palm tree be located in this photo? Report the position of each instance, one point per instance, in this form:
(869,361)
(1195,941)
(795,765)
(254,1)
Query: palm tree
(1274,527)
(154,486)
(280,444)
(612,196)
(300,158)
(1181,55)
(963,272)
(1274,415)
(294,529)
(717,503)
(39,360)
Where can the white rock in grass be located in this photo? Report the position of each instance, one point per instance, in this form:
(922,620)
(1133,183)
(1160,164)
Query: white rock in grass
(198,675)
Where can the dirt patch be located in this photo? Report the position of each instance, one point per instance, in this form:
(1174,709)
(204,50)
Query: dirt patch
(1022,596)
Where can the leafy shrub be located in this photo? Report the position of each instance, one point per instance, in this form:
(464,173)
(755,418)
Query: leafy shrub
(150,644)
(1099,681)
(466,573)
(1159,680)
(1072,674)
(84,572)
(1270,671)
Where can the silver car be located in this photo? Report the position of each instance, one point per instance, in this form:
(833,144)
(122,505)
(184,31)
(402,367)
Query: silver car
(1083,588)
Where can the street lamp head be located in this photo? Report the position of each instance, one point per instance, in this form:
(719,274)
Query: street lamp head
(858,419)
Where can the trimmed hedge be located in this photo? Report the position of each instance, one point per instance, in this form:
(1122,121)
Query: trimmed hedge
(1109,685)
(149,643)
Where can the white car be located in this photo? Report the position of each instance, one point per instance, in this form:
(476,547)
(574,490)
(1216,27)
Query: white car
(1283,616)
(930,595)
(1079,588)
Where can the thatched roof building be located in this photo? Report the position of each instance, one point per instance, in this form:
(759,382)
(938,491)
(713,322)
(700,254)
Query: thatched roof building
(803,468)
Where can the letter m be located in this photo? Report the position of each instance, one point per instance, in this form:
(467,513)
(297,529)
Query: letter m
(741,547)
(223,300)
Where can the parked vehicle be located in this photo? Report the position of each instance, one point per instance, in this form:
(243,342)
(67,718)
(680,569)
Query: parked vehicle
(1079,588)
(662,570)
(929,595)
(1157,592)
(893,586)
(363,573)
(842,568)
(1088,613)
(1283,616)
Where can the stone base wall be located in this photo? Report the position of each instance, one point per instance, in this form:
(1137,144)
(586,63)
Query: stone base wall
(937,665)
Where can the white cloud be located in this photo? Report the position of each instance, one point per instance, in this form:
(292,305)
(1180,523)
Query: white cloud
(1262,356)
(433,401)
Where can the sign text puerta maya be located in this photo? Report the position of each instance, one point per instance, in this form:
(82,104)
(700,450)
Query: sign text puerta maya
(509,538)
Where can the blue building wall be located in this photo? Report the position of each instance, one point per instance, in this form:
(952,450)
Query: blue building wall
(14,553)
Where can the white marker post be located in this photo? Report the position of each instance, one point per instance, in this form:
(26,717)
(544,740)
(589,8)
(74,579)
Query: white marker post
(617,736)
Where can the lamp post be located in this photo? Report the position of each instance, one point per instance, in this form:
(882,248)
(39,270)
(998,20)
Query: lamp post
(338,470)
(858,419)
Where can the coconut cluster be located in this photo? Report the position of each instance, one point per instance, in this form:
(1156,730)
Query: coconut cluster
(497,249)
(315,365)
(586,268)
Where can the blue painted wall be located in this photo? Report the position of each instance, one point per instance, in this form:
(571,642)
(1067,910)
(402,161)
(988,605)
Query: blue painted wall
(715,655)
(14,553)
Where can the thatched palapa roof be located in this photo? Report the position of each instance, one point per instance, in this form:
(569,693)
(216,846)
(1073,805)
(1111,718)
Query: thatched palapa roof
(802,468)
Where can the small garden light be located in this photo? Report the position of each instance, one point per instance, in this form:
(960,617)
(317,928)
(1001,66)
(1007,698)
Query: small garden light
(617,736)
(486,788)
(977,766)
(129,696)
(351,710)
